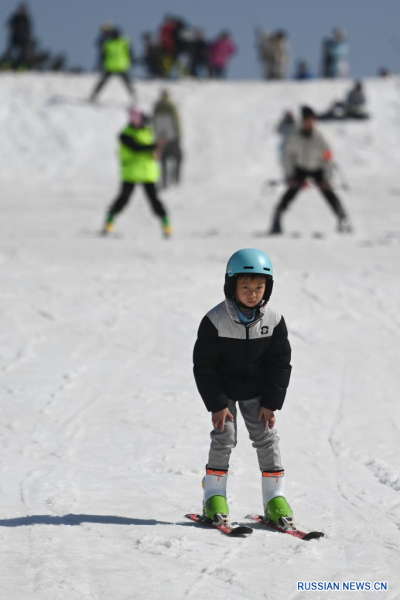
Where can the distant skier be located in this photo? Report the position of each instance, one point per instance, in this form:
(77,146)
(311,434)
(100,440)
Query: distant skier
(152,57)
(19,51)
(273,52)
(116,58)
(167,128)
(353,107)
(335,52)
(303,71)
(308,156)
(220,52)
(242,360)
(356,101)
(138,154)
(198,55)
(285,128)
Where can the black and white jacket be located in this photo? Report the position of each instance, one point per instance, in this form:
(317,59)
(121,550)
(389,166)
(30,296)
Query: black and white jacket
(241,362)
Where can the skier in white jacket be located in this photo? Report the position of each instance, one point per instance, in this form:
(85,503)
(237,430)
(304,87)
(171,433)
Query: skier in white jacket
(308,156)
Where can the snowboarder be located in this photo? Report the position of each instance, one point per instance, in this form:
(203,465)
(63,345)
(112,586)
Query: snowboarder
(308,156)
(167,128)
(116,58)
(138,154)
(242,359)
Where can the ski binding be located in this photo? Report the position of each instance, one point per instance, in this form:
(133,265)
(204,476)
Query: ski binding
(223,525)
(287,528)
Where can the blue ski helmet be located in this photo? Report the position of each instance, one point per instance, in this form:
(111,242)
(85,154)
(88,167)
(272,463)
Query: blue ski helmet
(248,261)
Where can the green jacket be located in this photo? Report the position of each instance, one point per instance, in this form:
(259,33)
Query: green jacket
(138,165)
(117,55)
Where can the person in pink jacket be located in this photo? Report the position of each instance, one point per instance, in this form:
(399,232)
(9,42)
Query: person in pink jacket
(221,51)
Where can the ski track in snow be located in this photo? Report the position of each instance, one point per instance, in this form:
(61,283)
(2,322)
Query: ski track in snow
(103,438)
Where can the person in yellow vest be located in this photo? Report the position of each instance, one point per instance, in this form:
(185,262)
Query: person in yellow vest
(116,58)
(138,155)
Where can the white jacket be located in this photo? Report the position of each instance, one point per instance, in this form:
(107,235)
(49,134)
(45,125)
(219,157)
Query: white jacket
(308,152)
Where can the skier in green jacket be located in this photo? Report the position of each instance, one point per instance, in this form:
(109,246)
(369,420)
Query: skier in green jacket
(138,155)
(116,58)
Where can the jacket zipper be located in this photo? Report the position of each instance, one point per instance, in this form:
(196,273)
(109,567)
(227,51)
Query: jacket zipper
(247,327)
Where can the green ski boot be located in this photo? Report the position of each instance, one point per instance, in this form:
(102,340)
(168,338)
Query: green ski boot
(276,507)
(279,511)
(215,505)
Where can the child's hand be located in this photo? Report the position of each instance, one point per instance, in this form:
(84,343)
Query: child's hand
(219,418)
(268,416)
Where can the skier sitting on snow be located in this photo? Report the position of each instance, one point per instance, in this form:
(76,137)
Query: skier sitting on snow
(353,107)
(307,155)
(242,356)
(356,101)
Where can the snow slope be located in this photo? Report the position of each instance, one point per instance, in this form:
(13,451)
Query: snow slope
(103,436)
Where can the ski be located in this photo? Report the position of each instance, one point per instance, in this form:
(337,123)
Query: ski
(240,530)
(297,533)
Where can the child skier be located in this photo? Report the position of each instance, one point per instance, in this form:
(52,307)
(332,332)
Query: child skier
(242,357)
(138,159)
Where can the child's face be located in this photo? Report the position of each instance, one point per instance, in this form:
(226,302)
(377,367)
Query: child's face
(249,290)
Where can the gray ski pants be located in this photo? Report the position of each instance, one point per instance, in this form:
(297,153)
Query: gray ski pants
(265,441)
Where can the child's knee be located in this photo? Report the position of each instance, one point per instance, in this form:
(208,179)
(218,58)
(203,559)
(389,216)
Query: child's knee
(265,438)
(226,437)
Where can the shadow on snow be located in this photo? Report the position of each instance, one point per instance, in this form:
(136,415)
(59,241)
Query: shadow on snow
(77,520)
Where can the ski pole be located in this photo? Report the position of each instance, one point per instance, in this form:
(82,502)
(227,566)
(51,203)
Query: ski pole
(342,178)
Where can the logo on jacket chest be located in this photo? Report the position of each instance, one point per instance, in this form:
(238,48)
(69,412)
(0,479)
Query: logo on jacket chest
(264,330)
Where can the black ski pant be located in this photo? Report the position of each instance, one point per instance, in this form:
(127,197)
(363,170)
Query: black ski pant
(171,153)
(106,76)
(217,72)
(297,183)
(18,53)
(124,196)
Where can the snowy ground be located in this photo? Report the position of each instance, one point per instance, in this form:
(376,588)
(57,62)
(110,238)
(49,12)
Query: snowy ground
(103,437)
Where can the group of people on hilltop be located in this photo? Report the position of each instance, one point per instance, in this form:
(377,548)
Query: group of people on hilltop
(180,50)
(273,51)
(173,56)
(177,50)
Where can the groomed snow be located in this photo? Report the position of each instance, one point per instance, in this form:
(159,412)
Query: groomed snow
(103,436)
